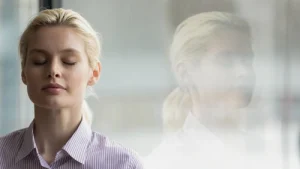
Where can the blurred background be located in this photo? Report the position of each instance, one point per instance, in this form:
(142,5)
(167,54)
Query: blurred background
(137,76)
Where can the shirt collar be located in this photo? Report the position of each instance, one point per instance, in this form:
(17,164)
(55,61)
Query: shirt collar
(28,143)
(76,146)
(192,123)
(196,132)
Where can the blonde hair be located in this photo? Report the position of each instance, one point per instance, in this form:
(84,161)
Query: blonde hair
(64,17)
(189,42)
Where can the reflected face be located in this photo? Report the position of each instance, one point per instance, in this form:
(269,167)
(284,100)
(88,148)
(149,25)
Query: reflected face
(56,71)
(225,75)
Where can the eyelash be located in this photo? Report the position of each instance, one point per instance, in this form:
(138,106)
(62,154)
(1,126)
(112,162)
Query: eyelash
(42,63)
(70,64)
(39,63)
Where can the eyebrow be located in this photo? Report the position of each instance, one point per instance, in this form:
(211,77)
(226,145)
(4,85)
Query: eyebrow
(70,50)
(39,51)
(67,50)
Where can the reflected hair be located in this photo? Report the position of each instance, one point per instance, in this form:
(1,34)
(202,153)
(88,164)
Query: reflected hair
(189,43)
(72,19)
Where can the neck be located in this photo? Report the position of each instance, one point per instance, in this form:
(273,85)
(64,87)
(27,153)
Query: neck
(227,128)
(218,117)
(53,128)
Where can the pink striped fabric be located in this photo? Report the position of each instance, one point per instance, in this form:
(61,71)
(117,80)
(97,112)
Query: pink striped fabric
(85,150)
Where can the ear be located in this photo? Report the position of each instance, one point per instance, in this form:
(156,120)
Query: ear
(95,75)
(183,74)
(23,77)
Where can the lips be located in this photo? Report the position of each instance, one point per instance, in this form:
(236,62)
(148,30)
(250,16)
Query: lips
(52,85)
(53,88)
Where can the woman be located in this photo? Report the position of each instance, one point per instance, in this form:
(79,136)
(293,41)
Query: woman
(211,56)
(59,58)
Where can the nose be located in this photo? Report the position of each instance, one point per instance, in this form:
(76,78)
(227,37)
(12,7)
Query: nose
(54,70)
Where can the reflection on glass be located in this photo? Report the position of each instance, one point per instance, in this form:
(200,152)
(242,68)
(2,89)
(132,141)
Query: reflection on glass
(211,56)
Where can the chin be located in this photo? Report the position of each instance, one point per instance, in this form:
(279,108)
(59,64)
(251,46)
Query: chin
(49,103)
(244,99)
(50,106)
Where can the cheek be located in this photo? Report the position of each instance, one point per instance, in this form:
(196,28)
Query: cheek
(77,81)
(33,89)
(213,78)
(33,78)
(33,82)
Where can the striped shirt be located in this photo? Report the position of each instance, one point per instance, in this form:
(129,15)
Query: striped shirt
(84,150)
(195,146)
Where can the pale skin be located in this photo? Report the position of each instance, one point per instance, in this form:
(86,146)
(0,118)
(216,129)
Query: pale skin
(221,82)
(56,54)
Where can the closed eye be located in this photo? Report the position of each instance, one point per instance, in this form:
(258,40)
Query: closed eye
(70,63)
(40,63)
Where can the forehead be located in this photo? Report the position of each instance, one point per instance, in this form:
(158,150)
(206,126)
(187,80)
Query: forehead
(55,39)
(230,40)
